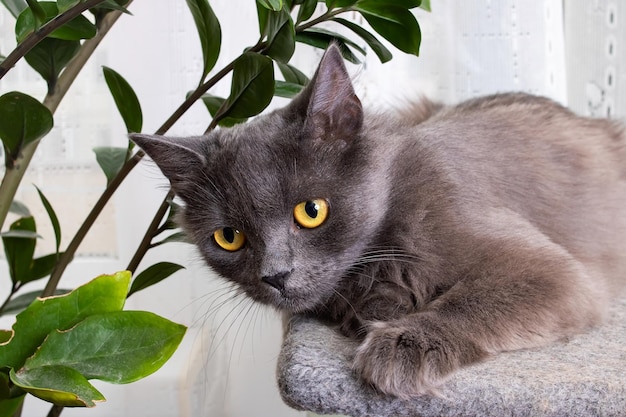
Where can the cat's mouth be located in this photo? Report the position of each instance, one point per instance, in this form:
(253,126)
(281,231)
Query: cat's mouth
(286,295)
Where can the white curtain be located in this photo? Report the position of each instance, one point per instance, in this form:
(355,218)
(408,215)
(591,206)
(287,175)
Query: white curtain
(571,51)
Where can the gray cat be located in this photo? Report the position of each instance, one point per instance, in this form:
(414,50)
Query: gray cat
(438,236)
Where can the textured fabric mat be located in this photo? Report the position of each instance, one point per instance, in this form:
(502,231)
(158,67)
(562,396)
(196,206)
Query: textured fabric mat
(584,376)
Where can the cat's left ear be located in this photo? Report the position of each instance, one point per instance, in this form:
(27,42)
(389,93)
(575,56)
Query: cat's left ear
(334,111)
(176,157)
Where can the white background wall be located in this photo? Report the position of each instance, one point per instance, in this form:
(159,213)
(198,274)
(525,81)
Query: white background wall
(571,51)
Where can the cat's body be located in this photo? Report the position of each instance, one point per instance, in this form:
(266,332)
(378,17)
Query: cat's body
(452,233)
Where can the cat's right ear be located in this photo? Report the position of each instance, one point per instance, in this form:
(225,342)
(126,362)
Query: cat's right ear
(329,104)
(176,157)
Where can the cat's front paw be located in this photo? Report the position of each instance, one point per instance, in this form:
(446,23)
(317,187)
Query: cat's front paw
(411,357)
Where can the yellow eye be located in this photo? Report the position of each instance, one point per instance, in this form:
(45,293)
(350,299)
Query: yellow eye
(311,213)
(229,239)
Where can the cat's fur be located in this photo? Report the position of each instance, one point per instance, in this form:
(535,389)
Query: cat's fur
(454,232)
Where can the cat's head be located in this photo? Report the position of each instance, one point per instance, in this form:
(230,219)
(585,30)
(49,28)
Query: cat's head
(283,205)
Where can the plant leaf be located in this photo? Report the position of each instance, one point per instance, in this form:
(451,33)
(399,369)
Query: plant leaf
(152,275)
(306,10)
(280,36)
(396,24)
(274,5)
(252,87)
(42,267)
(9,406)
(405,4)
(59,385)
(379,49)
(210,33)
(125,99)
(65,5)
(53,218)
(19,303)
(117,347)
(213,104)
(19,208)
(19,250)
(332,4)
(76,29)
(285,89)
(101,295)
(179,237)
(50,56)
(426,5)
(15,7)
(24,120)
(321,39)
(111,160)
(292,74)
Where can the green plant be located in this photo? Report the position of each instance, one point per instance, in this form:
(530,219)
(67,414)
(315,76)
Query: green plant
(56,39)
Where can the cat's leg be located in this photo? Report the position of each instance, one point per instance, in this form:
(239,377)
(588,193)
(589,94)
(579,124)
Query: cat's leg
(521,290)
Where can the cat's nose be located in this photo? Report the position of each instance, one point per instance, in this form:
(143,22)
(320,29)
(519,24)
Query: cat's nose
(277,280)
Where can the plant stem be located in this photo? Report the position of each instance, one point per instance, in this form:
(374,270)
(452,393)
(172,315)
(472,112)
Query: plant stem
(13,176)
(326,16)
(15,288)
(55,411)
(35,37)
(152,230)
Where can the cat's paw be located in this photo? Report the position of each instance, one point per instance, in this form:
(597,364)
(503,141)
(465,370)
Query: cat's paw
(406,358)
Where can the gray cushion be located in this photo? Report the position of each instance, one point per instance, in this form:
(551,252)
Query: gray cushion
(584,376)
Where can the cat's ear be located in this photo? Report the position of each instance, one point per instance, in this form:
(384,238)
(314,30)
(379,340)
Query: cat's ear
(176,157)
(334,112)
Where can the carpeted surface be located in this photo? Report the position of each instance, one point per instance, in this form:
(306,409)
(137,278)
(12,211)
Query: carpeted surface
(585,376)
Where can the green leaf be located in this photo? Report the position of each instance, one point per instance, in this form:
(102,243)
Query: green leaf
(42,267)
(111,160)
(280,36)
(252,87)
(107,6)
(404,4)
(118,347)
(287,90)
(50,56)
(396,24)
(19,303)
(15,7)
(274,5)
(331,4)
(24,120)
(321,39)
(125,99)
(153,275)
(292,74)
(38,12)
(213,104)
(209,30)
(306,10)
(76,29)
(19,250)
(53,218)
(178,237)
(65,5)
(426,5)
(5,335)
(379,49)
(9,407)
(59,385)
(103,294)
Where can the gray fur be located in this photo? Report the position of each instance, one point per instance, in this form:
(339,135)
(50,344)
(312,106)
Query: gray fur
(454,232)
